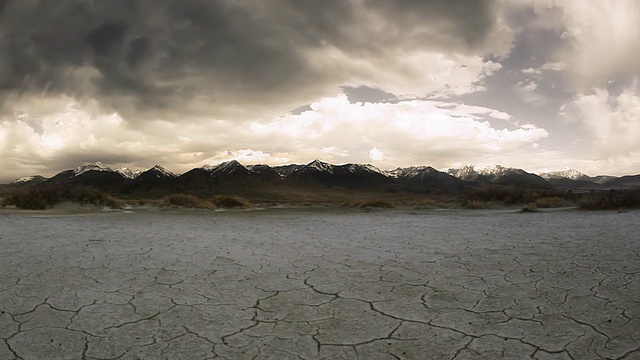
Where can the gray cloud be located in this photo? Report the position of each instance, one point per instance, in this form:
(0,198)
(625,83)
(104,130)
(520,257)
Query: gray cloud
(174,59)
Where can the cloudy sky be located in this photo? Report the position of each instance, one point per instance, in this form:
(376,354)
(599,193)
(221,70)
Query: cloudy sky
(538,84)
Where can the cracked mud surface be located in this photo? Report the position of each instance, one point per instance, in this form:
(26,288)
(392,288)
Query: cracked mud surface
(281,284)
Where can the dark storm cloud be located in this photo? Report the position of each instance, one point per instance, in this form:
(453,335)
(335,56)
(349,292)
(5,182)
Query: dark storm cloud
(141,58)
(459,22)
(107,37)
(367,94)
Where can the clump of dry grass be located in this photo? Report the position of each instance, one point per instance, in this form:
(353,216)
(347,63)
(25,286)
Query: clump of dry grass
(385,204)
(230,202)
(437,203)
(529,208)
(46,197)
(551,202)
(143,202)
(612,199)
(186,201)
(475,204)
(352,204)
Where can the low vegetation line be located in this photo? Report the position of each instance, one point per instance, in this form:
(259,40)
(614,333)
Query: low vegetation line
(41,198)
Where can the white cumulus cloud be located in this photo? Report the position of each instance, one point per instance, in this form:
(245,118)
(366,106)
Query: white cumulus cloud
(376,154)
(614,120)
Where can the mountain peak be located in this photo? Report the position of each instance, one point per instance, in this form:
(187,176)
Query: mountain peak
(160,169)
(571,174)
(96,166)
(362,167)
(409,172)
(28,179)
(319,166)
(472,172)
(226,168)
(128,173)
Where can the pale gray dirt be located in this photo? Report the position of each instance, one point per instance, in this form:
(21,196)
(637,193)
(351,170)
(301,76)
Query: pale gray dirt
(313,284)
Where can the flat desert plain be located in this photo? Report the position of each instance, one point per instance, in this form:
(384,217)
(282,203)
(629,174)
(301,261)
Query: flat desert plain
(320,284)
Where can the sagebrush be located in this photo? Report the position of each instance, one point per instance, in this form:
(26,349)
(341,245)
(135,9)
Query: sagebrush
(41,198)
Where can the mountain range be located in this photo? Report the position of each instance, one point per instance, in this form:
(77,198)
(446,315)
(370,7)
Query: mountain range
(234,177)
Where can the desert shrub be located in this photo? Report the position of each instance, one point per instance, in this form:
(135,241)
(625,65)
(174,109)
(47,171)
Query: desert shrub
(551,202)
(32,199)
(87,195)
(475,204)
(378,204)
(229,202)
(529,208)
(352,204)
(143,202)
(114,203)
(187,201)
(613,199)
(45,197)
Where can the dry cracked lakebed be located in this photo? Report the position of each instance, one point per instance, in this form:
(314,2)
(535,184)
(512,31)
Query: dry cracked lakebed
(320,284)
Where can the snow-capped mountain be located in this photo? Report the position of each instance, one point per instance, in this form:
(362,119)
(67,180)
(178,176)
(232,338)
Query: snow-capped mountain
(150,179)
(286,170)
(424,177)
(232,167)
(354,168)
(574,179)
(96,166)
(464,173)
(95,174)
(571,174)
(317,165)
(35,179)
(408,172)
(128,173)
(319,173)
(351,176)
(471,172)
(161,171)
(156,172)
(498,174)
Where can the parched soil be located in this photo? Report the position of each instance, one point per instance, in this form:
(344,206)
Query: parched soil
(320,283)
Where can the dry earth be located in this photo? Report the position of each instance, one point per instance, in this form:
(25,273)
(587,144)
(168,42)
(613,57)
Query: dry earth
(316,284)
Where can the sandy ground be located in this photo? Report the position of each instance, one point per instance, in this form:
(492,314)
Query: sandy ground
(314,284)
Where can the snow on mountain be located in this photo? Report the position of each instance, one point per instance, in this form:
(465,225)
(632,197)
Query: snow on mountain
(408,172)
(27,179)
(464,173)
(22,180)
(495,170)
(602,179)
(226,168)
(96,166)
(161,170)
(572,174)
(354,168)
(321,166)
(286,170)
(318,165)
(133,174)
(471,172)
(128,173)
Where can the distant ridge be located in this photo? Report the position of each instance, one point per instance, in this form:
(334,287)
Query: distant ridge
(571,174)
(232,175)
(500,175)
(28,180)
